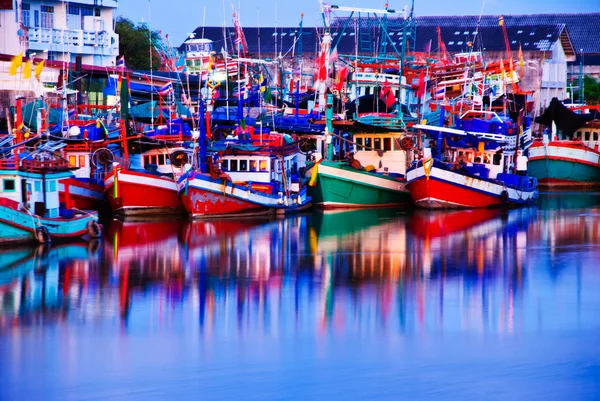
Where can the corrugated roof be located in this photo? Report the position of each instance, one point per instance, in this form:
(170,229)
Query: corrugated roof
(583,28)
(533,32)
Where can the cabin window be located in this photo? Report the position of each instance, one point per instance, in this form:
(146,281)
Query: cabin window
(377,143)
(595,135)
(368,143)
(253,165)
(225,165)
(50,186)
(37,186)
(73,161)
(233,165)
(497,159)
(8,185)
(161,159)
(82,161)
(146,160)
(243,165)
(486,158)
(263,165)
(359,142)
(367,91)
(587,135)
(387,143)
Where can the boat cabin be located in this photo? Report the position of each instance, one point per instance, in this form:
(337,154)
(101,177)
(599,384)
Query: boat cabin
(158,161)
(371,83)
(381,153)
(197,55)
(33,182)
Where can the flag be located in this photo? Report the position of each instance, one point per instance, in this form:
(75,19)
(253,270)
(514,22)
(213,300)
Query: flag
(440,93)
(502,73)
(421,86)
(292,83)
(387,95)
(27,70)
(262,82)
(333,56)
(39,68)
(321,74)
(340,78)
(121,62)
(428,47)
(500,20)
(166,89)
(521,60)
(298,71)
(16,62)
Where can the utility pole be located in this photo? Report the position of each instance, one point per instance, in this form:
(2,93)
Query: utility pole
(581,100)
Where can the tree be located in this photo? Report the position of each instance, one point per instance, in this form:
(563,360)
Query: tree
(134,44)
(591,90)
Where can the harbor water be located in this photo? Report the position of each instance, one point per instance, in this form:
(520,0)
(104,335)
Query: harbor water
(356,304)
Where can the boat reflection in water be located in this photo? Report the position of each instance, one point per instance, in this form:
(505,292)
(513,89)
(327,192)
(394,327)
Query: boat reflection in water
(379,282)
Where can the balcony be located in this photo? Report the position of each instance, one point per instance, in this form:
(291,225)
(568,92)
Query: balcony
(74,41)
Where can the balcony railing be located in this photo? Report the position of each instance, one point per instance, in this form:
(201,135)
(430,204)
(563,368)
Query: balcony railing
(76,41)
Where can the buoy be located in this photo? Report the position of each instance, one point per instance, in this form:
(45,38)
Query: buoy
(42,235)
(94,229)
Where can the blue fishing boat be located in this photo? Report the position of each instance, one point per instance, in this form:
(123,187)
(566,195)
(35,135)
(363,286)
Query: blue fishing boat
(30,209)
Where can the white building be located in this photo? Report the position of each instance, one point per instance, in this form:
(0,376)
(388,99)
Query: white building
(61,30)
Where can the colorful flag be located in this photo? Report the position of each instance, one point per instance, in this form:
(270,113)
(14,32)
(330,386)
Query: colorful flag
(262,82)
(27,70)
(333,56)
(16,62)
(39,68)
(500,20)
(521,60)
(340,78)
(121,62)
(440,93)
(421,85)
(166,89)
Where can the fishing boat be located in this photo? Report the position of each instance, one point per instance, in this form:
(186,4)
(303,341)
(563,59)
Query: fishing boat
(472,165)
(29,206)
(567,155)
(347,184)
(256,174)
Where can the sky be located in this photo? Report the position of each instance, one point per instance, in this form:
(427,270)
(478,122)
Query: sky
(177,18)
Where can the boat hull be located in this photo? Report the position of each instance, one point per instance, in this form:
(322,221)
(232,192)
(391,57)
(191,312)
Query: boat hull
(138,193)
(74,193)
(444,189)
(338,187)
(18,226)
(564,164)
(204,197)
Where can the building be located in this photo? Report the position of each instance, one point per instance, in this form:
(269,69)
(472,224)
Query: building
(552,44)
(60,30)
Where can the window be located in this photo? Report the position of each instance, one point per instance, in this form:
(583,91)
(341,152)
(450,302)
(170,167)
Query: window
(161,159)
(253,165)
(51,186)
(243,165)
(146,160)
(377,143)
(368,143)
(233,165)
(225,165)
(47,17)
(26,14)
(595,133)
(359,142)
(153,159)
(8,185)
(37,186)
(72,161)
(367,91)
(87,11)
(497,159)
(263,165)
(82,161)
(36,18)
(587,135)
(387,143)
(97,12)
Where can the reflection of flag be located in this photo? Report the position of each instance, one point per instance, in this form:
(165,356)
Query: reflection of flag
(166,89)
(16,62)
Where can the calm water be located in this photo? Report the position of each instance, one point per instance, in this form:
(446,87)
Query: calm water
(346,305)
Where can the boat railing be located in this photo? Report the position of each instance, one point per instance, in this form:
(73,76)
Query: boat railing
(40,166)
(8,164)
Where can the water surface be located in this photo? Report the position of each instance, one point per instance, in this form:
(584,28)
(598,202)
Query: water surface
(387,304)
